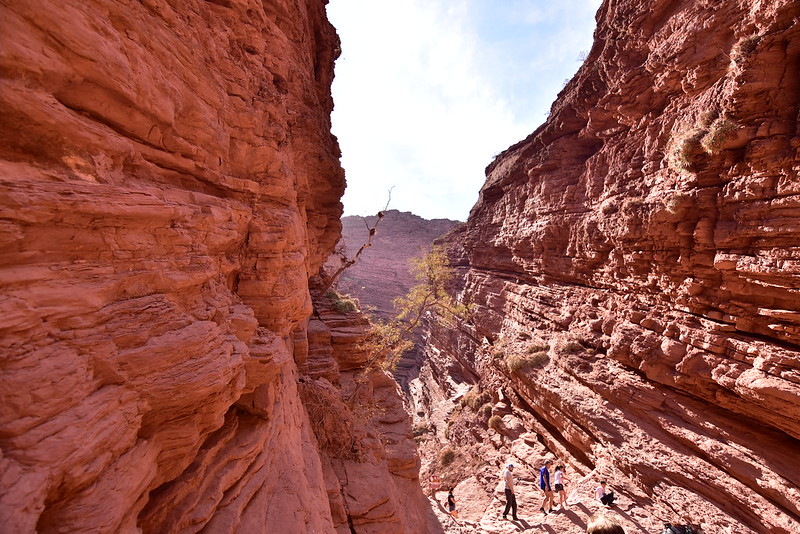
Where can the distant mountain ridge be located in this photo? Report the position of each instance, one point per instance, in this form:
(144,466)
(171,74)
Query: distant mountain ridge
(382,273)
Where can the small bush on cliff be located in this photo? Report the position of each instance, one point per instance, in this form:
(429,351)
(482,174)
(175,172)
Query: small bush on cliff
(474,398)
(707,117)
(420,430)
(537,347)
(486,410)
(633,207)
(571,346)
(338,430)
(684,151)
(346,305)
(677,202)
(342,303)
(720,131)
(447,456)
(500,348)
(609,206)
(496,423)
(518,362)
(743,48)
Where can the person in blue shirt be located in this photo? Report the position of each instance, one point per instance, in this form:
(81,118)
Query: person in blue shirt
(544,484)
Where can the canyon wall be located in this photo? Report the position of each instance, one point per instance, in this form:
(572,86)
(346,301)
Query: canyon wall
(635,265)
(168,185)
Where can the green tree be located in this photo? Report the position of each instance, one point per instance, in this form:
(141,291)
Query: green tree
(388,340)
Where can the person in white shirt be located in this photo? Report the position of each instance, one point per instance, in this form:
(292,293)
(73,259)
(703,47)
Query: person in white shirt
(606,498)
(560,480)
(511,498)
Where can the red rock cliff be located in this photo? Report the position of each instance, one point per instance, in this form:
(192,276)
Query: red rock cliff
(636,262)
(168,184)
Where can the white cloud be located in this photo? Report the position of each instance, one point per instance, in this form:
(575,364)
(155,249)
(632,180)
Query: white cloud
(420,105)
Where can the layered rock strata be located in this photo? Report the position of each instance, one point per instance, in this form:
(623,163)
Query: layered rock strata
(359,413)
(168,184)
(636,265)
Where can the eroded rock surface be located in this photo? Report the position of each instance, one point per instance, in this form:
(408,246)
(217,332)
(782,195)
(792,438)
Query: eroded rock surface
(636,262)
(168,184)
(367,446)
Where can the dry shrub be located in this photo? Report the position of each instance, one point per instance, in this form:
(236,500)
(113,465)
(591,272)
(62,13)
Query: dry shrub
(632,206)
(537,347)
(684,151)
(707,117)
(346,305)
(609,206)
(517,362)
(338,431)
(571,346)
(474,398)
(677,202)
(743,48)
(496,422)
(720,131)
(447,456)
(342,303)
(453,467)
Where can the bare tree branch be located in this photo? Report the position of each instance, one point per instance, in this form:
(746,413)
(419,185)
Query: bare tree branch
(372,230)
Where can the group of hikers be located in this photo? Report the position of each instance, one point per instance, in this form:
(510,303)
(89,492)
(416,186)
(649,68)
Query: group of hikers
(557,489)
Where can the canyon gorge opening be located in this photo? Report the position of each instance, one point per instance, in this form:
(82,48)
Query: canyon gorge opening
(171,362)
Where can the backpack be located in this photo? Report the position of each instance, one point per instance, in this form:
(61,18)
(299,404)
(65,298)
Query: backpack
(679,529)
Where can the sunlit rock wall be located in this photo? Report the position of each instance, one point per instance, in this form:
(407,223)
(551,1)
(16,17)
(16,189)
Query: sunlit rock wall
(647,236)
(168,183)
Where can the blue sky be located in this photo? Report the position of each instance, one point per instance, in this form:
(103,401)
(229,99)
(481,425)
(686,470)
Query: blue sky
(428,91)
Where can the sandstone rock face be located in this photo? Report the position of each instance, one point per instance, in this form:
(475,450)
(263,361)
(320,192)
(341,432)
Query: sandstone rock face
(168,184)
(636,262)
(359,414)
